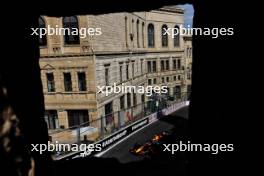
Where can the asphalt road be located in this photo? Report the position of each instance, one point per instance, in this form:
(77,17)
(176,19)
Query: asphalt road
(174,123)
(119,161)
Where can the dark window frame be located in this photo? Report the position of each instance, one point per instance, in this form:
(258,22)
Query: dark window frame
(71,22)
(50,82)
(164,38)
(43,40)
(82,85)
(51,118)
(176,39)
(67,82)
(151,35)
(154,66)
(78,118)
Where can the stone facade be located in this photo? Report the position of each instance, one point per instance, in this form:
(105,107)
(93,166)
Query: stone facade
(122,48)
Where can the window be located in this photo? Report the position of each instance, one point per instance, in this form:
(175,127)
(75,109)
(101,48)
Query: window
(143,98)
(164,36)
(107,76)
(163,80)
(179,63)
(189,75)
(138,45)
(162,65)
(128,100)
(51,118)
(154,81)
(127,71)
(167,92)
(133,69)
(177,37)
(50,82)
(121,73)
(71,26)
(174,64)
(137,63)
(109,116)
(151,38)
(142,71)
(134,99)
(143,36)
(132,31)
(149,66)
(78,117)
(149,81)
(154,65)
(190,52)
(174,78)
(122,102)
(177,91)
(43,38)
(168,79)
(67,82)
(167,65)
(82,81)
(179,77)
(126,31)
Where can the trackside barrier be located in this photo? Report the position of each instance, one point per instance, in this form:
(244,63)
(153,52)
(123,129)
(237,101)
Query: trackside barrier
(122,133)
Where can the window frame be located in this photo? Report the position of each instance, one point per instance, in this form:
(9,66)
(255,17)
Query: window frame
(151,35)
(71,24)
(164,38)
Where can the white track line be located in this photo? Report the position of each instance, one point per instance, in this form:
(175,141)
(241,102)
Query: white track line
(122,140)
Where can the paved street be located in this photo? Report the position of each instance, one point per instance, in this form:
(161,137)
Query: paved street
(121,151)
(119,161)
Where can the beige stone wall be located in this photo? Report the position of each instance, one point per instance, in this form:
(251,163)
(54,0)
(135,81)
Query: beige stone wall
(188,57)
(123,42)
(114,64)
(74,100)
(159,18)
(167,73)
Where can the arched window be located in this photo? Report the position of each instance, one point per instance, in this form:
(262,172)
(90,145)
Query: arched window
(164,36)
(43,38)
(151,39)
(132,32)
(138,45)
(71,27)
(143,35)
(176,37)
(126,33)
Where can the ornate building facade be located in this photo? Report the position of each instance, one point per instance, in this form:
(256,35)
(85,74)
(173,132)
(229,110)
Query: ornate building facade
(131,50)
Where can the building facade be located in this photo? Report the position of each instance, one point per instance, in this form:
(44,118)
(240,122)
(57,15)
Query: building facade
(131,50)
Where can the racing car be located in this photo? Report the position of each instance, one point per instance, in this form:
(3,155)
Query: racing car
(153,146)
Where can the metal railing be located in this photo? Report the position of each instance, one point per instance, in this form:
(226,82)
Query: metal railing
(95,130)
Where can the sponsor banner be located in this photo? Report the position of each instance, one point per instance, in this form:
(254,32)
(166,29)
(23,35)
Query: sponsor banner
(107,142)
(117,136)
(174,108)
